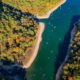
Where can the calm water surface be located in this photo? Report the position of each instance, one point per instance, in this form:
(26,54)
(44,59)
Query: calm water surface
(57,25)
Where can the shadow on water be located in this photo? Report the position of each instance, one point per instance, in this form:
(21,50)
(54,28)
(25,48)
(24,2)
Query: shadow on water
(9,70)
(63,46)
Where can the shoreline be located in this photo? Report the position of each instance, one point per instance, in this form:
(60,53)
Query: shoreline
(39,39)
(59,71)
(47,15)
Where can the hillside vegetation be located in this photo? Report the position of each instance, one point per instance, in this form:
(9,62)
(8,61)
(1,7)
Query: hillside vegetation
(35,7)
(17,34)
(71,69)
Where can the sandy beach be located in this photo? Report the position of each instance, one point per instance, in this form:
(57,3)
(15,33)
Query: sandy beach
(39,39)
(39,36)
(52,10)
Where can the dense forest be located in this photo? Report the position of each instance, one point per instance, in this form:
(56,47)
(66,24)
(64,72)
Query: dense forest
(17,34)
(36,7)
(71,68)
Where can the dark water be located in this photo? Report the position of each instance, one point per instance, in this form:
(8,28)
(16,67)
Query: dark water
(57,26)
(12,73)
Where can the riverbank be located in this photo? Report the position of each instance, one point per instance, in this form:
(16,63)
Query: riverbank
(39,36)
(66,58)
(57,5)
(35,51)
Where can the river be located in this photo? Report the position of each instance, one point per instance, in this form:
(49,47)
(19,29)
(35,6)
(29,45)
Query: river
(57,26)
